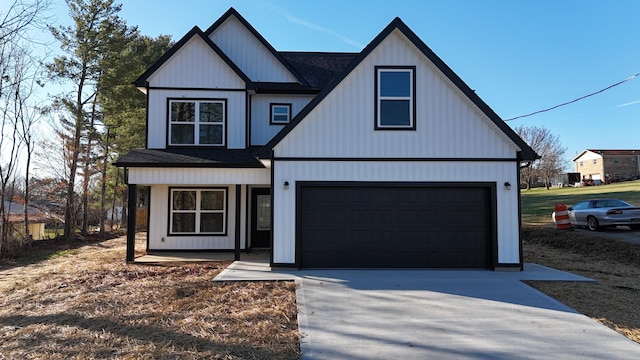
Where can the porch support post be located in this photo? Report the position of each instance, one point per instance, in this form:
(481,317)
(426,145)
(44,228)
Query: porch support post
(238,213)
(131,222)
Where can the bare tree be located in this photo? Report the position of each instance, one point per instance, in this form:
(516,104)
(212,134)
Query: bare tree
(28,114)
(20,17)
(19,76)
(551,152)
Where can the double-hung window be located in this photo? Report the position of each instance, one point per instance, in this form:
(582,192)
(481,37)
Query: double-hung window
(280,114)
(198,211)
(197,122)
(395,98)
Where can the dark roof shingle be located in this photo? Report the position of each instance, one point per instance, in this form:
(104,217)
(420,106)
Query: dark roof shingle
(191,157)
(318,68)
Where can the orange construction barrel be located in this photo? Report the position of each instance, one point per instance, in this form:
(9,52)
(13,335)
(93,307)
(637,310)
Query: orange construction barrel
(562,217)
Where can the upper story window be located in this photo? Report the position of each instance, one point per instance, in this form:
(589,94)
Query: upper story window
(280,114)
(197,122)
(395,98)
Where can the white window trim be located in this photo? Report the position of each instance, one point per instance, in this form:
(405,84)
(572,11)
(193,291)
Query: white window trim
(198,211)
(196,123)
(411,97)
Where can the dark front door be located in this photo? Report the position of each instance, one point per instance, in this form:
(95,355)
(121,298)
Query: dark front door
(260,217)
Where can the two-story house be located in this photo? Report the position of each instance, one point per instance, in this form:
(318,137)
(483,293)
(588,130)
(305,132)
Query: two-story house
(608,165)
(382,158)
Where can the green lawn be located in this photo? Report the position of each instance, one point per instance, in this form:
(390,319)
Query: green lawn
(537,204)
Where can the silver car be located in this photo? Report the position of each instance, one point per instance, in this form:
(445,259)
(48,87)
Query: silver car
(599,213)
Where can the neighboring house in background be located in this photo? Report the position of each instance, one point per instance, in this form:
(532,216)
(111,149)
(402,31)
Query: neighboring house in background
(37,219)
(383,158)
(608,165)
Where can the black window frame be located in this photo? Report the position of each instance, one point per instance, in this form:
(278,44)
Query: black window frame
(271,113)
(378,98)
(196,123)
(225,212)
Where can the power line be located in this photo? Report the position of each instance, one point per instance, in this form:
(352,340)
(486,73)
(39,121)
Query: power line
(574,100)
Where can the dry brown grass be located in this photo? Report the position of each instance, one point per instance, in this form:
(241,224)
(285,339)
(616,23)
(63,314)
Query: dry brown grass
(614,264)
(62,300)
(86,303)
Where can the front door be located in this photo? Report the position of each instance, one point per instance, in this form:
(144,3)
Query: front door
(260,217)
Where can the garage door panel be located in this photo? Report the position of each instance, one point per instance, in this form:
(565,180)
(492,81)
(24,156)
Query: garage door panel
(380,226)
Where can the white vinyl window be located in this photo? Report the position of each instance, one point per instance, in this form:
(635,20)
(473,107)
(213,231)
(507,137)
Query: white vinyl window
(395,98)
(198,211)
(197,122)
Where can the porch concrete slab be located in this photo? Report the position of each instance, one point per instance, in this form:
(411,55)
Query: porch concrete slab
(187,256)
(439,314)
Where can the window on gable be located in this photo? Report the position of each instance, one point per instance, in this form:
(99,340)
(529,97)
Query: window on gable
(395,98)
(197,122)
(198,211)
(280,114)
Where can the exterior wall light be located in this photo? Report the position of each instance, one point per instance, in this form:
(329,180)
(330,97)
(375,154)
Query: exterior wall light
(507,185)
(286,185)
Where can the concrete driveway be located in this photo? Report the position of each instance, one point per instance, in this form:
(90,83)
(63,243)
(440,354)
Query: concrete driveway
(439,314)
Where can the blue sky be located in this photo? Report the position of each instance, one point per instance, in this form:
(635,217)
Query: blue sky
(519,56)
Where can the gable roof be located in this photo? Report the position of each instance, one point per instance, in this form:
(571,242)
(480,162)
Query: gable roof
(609,152)
(527,153)
(141,81)
(262,40)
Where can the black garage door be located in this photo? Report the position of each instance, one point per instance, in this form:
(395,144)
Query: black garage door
(392,226)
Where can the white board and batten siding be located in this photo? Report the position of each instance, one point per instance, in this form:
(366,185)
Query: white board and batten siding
(284,206)
(448,125)
(196,65)
(198,176)
(159,238)
(251,56)
(159,107)
(261,129)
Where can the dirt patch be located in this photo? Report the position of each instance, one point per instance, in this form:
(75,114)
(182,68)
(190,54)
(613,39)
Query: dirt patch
(614,264)
(85,302)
